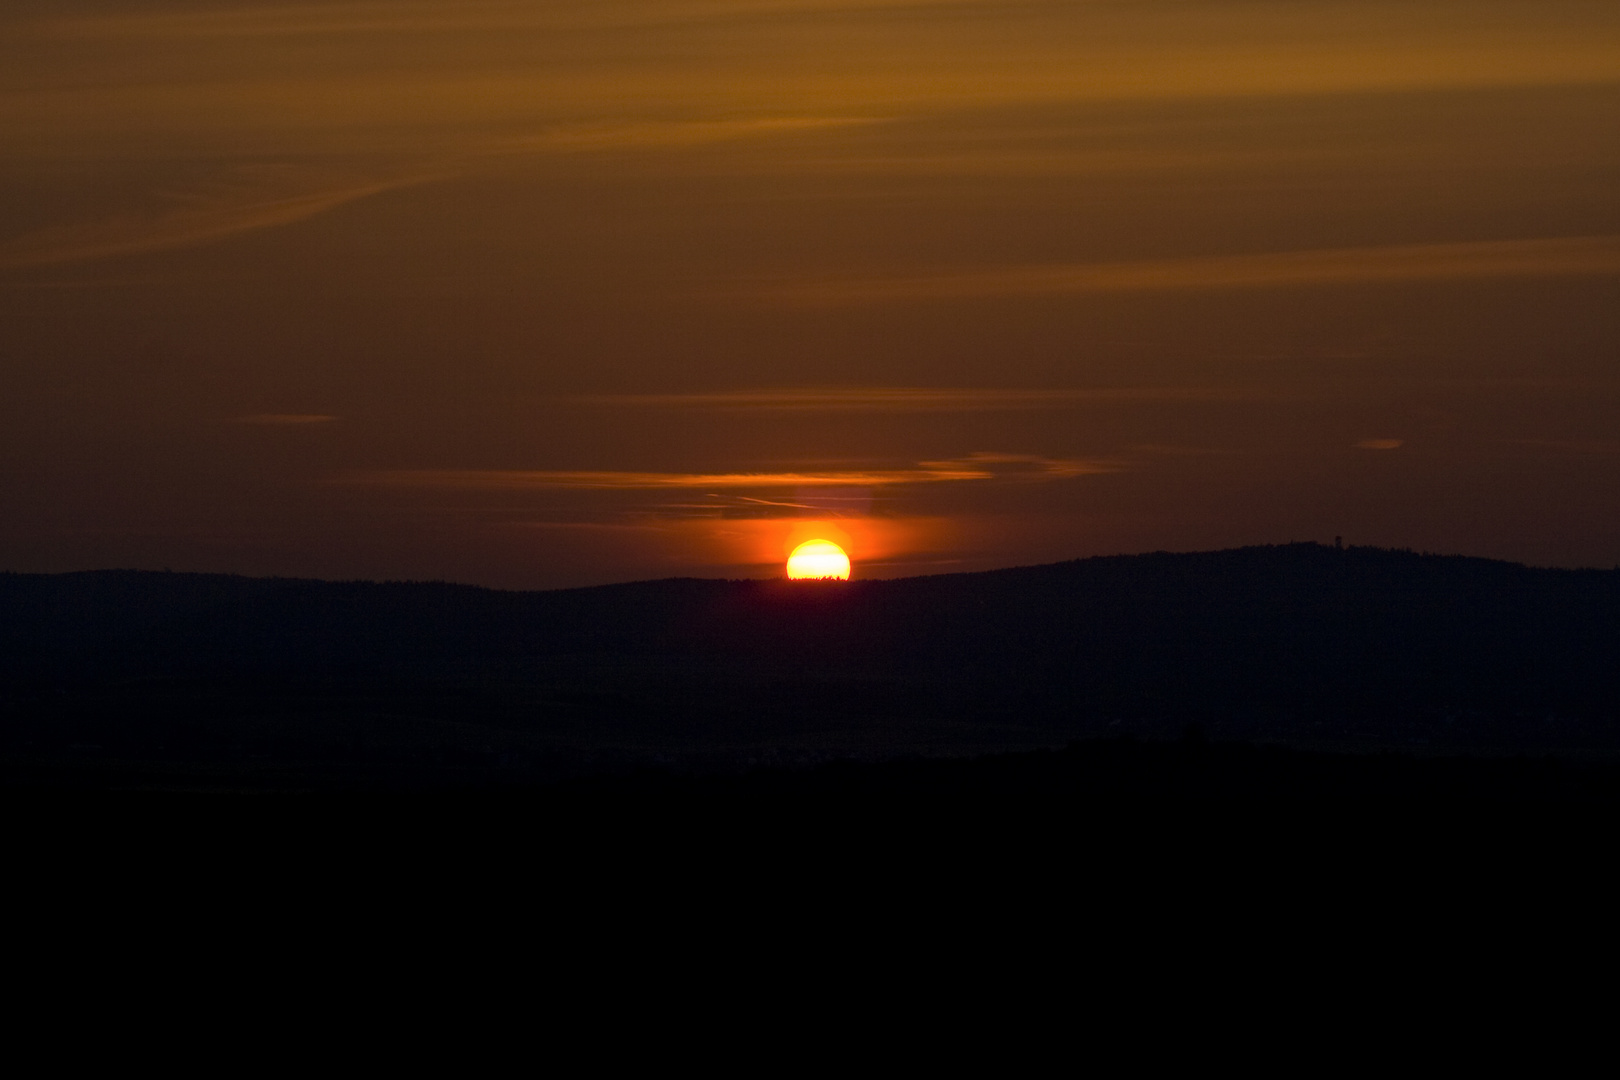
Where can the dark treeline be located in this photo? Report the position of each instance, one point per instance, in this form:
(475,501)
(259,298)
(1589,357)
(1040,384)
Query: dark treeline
(1356,649)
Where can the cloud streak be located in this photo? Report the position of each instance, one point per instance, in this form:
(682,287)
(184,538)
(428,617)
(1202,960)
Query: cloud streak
(284,419)
(437,17)
(647,134)
(979,466)
(1557,257)
(535,479)
(267,197)
(214,76)
(1574,446)
(917,398)
(248,205)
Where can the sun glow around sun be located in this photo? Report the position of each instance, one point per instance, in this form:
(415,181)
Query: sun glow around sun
(818,560)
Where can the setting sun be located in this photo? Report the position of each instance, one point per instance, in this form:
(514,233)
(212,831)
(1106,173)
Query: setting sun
(818,560)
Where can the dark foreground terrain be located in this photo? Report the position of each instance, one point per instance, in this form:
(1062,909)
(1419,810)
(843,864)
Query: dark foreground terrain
(1280,672)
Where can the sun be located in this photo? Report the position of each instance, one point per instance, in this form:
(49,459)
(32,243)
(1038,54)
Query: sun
(818,560)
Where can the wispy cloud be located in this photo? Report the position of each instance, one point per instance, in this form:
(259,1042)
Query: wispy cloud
(252,198)
(534,479)
(1380,444)
(1602,447)
(437,17)
(675,133)
(979,466)
(934,49)
(1561,256)
(247,201)
(834,503)
(210,77)
(917,398)
(284,419)
(1029,466)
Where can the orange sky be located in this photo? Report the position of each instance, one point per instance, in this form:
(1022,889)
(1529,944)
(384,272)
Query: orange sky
(555,293)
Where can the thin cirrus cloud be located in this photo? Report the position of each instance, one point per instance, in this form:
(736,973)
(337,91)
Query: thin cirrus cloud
(1556,257)
(212,80)
(733,50)
(919,398)
(1573,446)
(255,201)
(675,133)
(284,419)
(207,82)
(978,466)
(251,199)
(437,16)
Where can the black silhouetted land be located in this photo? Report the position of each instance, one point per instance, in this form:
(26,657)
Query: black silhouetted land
(1295,670)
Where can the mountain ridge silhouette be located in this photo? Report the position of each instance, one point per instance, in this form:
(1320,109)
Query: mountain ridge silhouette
(1299,645)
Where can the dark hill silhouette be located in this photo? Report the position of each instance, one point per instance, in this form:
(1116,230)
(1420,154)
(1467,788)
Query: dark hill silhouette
(1300,644)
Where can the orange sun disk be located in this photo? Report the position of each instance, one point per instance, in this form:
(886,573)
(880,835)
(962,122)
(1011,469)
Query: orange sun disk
(818,560)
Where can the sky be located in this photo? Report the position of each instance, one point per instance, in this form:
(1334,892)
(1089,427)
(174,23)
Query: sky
(564,292)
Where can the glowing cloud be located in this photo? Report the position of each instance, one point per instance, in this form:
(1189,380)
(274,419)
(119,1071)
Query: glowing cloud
(981,466)
(918,398)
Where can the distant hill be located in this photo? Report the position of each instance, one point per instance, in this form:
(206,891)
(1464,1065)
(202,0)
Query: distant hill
(1301,644)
